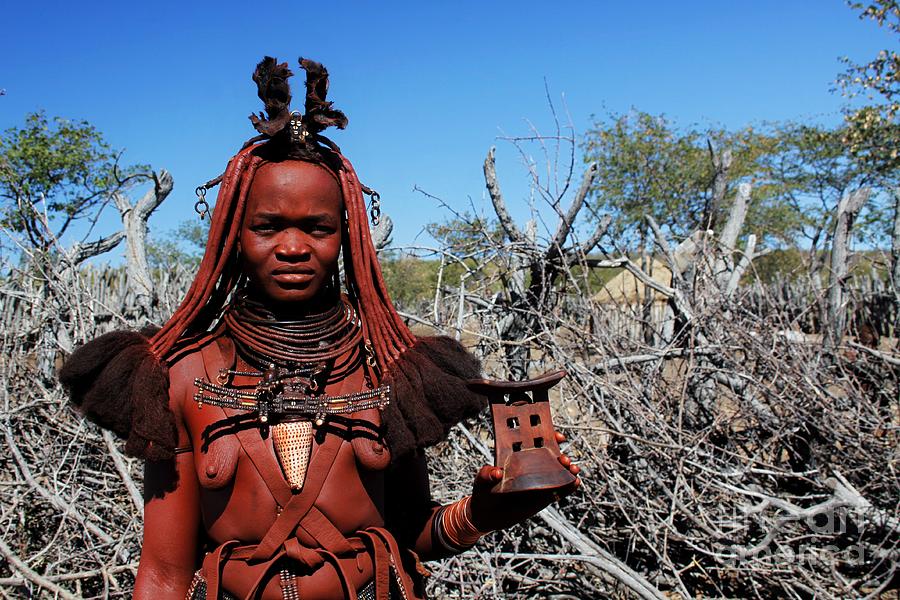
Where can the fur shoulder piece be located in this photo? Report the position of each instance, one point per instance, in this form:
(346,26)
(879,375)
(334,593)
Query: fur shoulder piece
(429,393)
(117,383)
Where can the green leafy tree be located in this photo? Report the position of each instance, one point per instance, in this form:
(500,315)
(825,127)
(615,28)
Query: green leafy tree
(873,133)
(54,172)
(409,279)
(798,172)
(467,234)
(811,169)
(648,166)
(182,246)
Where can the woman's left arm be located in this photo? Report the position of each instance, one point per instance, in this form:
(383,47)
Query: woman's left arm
(418,521)
(409,509)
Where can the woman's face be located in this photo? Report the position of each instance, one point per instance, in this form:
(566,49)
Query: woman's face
(291,234)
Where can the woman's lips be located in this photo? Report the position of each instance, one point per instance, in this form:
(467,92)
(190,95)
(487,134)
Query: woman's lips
(293,277)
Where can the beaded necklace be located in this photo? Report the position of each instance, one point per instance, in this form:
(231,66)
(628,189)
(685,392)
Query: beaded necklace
(308,340)
(291,357)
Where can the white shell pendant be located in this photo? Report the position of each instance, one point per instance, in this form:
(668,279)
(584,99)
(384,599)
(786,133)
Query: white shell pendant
(293,446)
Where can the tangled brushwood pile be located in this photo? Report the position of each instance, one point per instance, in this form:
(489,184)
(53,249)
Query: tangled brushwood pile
(71,503)
(725,453)
(750,465)
(734,459)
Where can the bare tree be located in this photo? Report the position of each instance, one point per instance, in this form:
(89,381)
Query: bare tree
(847,209)
(134,227)
(543,263)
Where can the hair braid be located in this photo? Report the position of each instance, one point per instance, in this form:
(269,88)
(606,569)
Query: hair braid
(220,246)
(389,336)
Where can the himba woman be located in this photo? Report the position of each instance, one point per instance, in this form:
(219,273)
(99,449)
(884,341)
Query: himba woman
(283,415)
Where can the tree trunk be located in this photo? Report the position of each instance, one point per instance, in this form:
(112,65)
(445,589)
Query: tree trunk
(721,165)
(847,210)
(134,224)
(137,267)
(381,233)
(895,262)
(725,265)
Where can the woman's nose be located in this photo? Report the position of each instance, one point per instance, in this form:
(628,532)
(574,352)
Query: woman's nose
(292,245)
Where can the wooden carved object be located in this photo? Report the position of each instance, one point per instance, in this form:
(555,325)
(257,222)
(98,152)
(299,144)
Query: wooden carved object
(525,444)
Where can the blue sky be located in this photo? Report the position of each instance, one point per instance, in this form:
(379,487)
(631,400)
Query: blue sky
(427,86)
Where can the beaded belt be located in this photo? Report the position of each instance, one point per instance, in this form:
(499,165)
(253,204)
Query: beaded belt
(197,591)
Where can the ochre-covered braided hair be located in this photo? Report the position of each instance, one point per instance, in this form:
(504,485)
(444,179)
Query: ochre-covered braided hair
(119,380)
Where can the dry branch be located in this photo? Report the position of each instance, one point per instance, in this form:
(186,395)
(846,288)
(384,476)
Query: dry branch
(83,251)
(31,575)
(566,221)
(493,186)
(596,556)
(710,453)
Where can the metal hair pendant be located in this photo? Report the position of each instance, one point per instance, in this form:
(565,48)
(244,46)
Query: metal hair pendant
(297,129)
(375,210)
(201,206)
